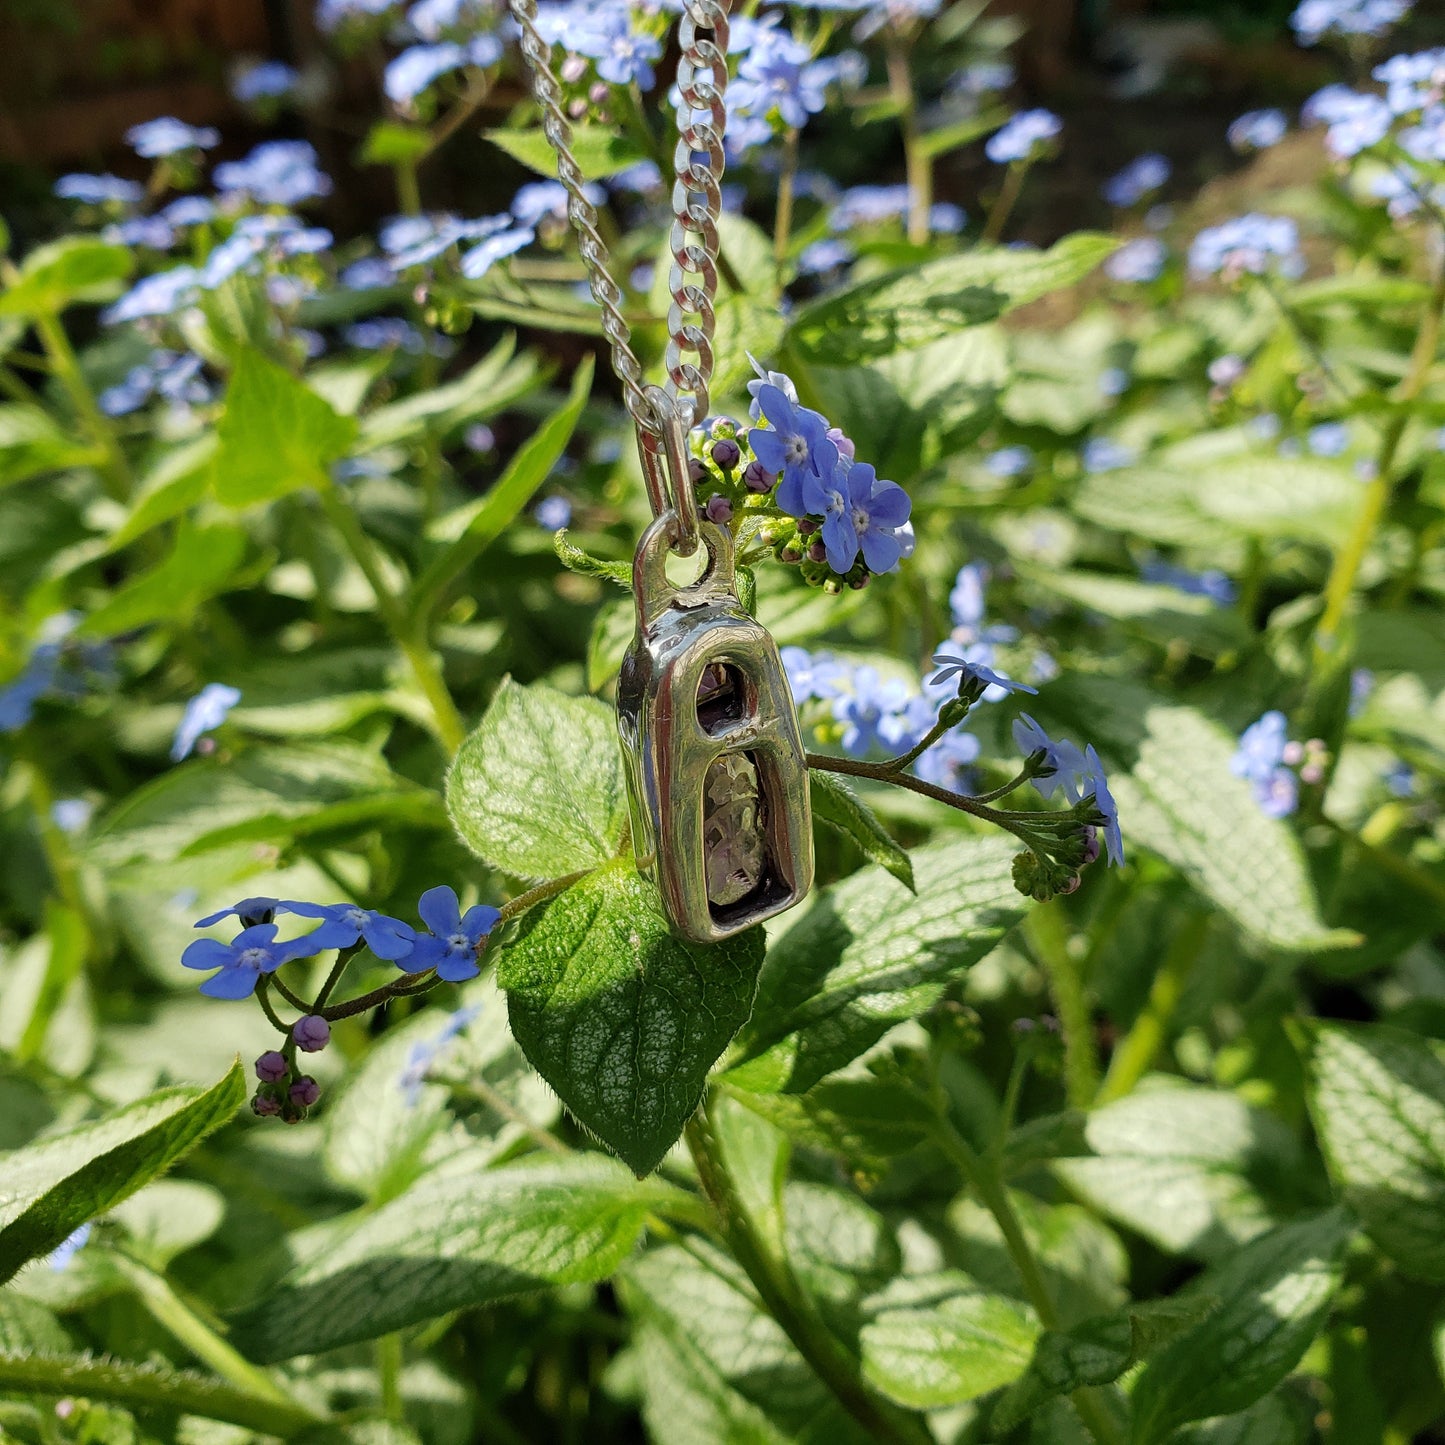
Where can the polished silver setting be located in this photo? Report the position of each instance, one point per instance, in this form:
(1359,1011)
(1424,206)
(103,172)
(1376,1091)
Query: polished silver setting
(703,691)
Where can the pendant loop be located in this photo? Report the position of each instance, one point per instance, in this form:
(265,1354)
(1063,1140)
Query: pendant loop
(665,471)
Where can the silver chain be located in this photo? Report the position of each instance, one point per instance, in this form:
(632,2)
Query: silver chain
(696,203)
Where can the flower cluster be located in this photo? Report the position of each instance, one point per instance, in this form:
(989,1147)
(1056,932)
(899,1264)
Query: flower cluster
(1025,137)
(1314,20)
(1257,130)
(1274,766)
(833,515)
(60,665)
(1253,245)
(450,948)
(1140,178)
(860,207)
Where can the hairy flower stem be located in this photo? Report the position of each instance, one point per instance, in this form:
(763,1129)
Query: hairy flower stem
(65,366)
(1002,208)
(918,167)
(425,668)
(177,1317)
(785,1300)
(986,1182)
(1348,559)
(1047,931)
(1015,823)
(1139,1048)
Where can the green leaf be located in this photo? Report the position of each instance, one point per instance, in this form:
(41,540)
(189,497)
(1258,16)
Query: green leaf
(1274,1295)
(1096,1352)
(1261,498)
(54,1186)
(276,435)
(939,1340)
(622,1017)
(28,1328)
(613,629)
(574,559)
(920,304)
(837,805)
(950,137)
(32,443)
(471,529)
(868,1121)
(1185,1166)
(537,790)
(1283,1418)
(866,953)
(175,484)
(600,151)
(1377,1097)
(716,1369)
(201,564)
(459,1238)
(151,1386)
(74,268)
(498,380)
(1169,770)
(265,794)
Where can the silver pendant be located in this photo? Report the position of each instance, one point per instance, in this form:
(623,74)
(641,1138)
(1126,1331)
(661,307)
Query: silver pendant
(716,775)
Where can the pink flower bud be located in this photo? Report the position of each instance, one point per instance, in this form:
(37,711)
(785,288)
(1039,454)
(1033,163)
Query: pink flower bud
(726,453)
(718,509)
(755,479)
(305,1091)
(271,1067)
(265,1105)
(312,1033)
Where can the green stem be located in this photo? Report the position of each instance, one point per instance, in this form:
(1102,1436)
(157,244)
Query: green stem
(1139,1048)
(783,217)
(1048,933)
(388,1371)
(882,773)
(114,469)
(1002,208)
(408,190)
(916,162)
(993,1195)
(425,669)
(1391,862)
(170,1311)
(263,997)
(1349,558)
(785,1301)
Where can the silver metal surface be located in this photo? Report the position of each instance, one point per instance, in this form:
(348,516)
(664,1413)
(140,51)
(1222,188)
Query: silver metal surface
(665,471)
(687,638)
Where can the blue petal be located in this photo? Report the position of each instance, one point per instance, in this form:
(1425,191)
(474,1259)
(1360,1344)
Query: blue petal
(206,953)
(790,493)
(841,542)
(427,952)
(881,550)
(458,967)
(480,920)
(389,938)
(231,983)
(889,505)
(777,409)
(440,910)
(767,448)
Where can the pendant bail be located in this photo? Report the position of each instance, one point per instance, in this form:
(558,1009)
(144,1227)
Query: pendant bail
(665,471)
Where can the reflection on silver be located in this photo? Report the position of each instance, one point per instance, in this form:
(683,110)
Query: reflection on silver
(718,783)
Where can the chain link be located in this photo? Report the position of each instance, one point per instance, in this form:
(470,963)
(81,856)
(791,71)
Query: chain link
(538,54)
(696,204)
(702,78)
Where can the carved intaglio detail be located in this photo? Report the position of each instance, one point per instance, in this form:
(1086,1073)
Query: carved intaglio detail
(734,829)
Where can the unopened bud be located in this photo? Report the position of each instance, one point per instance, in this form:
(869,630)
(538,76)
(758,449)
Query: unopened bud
(791,553)
(757,479)
(696,472)
(271,1067)
(573,69)
(726,453)
(844,444)
(859,582)
(806,527)
(265,1105)
(598,93)
(1070,884)
(312,1033)
(305,1091)
(718,508)
(1091,846)
(817,552)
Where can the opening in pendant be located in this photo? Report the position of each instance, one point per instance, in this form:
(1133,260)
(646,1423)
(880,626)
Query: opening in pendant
(720,697)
